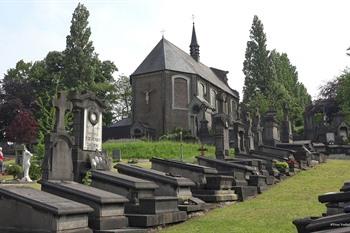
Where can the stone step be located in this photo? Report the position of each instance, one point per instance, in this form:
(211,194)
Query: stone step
(142,220)
(126,230)
(215,195)
(30,210)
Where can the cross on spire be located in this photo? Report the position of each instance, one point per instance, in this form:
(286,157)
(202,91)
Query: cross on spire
(62,105)
(163,32)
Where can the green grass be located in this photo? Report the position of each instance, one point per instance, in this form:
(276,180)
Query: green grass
(162,149)
(275,209)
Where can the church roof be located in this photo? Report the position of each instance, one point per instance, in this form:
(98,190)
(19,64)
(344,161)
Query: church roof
(166,56)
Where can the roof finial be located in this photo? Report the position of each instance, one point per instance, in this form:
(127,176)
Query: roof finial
(194,46)
(193,18)
(163,32)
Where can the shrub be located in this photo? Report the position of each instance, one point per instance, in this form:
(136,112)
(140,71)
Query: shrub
(14,170)
(87,178)
(281,165)
(35,170)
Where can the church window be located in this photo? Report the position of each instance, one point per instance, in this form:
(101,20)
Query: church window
(201,90)
(213,101)
(180,92)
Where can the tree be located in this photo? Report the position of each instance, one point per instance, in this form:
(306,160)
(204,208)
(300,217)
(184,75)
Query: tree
(82,69)
(257,68)
(123,97)
(270,78)
(23,128)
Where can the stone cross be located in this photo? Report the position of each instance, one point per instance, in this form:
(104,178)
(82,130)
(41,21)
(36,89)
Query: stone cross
(62,105)
(202,150)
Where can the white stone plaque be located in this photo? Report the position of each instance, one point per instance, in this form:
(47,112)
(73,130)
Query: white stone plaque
(92,130)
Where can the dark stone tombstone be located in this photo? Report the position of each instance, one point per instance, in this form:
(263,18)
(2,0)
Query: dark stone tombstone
(58,163)
(117,155)
(87,128)
(248,132)
(239,133)
(221,131)
(257,129)
(286,127)
(271,134)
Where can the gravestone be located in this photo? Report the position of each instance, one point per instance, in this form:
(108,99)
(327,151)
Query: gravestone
(239,133)
(257,129)
(117,155)
(286,127)
(210,186)
(221,131)
(87,128)
(271,134)
(248,132)
(32,211)
(58,163)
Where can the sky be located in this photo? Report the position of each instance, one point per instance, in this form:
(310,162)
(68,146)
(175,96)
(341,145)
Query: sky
(314,33)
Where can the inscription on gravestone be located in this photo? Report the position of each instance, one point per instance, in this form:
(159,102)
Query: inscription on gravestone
(92,130)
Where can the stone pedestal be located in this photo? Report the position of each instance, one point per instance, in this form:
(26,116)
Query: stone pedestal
(221,135)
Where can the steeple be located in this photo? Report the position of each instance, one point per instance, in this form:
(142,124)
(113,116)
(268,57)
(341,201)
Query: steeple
(194,46)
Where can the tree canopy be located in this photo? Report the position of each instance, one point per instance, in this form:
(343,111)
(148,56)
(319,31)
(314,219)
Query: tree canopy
(270,78)
(30,87)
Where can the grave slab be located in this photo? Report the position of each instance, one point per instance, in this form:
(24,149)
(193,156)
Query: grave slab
(32,211)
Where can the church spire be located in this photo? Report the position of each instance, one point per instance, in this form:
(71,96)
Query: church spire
(194,46)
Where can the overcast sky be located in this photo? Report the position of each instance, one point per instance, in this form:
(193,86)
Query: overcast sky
(314,33)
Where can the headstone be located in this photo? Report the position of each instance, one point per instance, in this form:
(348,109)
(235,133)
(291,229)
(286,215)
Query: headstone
(248,132)
(58,162)
(221,131)
(30,210)
(117,155)
(271,134)
(286,127)
(210,186)
(257,129)
(87,128)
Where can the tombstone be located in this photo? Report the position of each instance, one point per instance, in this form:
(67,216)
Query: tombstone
(286,127)
(248,132)
(87,128)
(257,129)
(144,208)
(169,185)
(19,154)
(246,183)
(117,155)
(209,185)
(30,210)
(58,162)
(221,136)
(239,133)
(271,134)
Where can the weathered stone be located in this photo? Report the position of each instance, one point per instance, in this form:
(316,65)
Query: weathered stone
(37,211)
(108,207)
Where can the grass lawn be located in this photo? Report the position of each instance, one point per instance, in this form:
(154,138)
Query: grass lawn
(162,149)
(275,209)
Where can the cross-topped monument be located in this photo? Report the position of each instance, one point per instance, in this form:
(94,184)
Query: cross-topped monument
(62,105)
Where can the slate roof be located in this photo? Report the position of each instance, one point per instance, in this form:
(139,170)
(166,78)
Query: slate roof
(166,56)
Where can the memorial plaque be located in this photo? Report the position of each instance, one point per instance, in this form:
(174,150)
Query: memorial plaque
(92,130)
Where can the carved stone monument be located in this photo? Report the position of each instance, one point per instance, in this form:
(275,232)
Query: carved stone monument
(286,127)
(221,131)
(271,134)
(87,127)
(238,133)
(58,163)
(257,129)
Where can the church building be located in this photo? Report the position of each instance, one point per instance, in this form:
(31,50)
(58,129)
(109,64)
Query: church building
(173,89)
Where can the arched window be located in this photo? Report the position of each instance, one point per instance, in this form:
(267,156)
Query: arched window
(180,92)
(201,90)
(213,98)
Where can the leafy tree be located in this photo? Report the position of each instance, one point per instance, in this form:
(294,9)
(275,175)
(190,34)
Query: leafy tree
(123,97)
(270,79)
(23,128)
(258,69)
